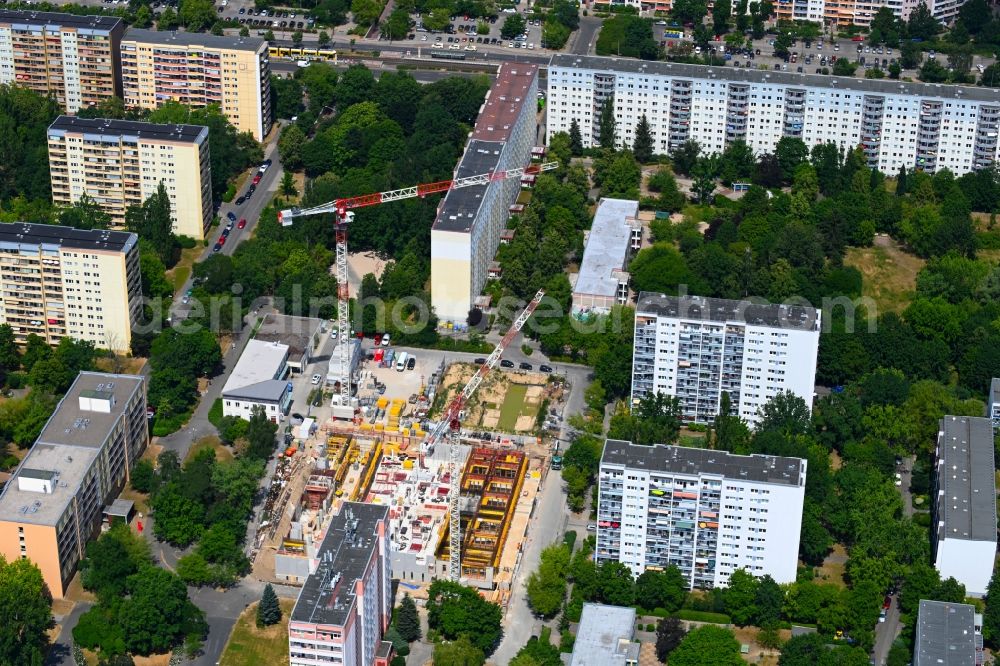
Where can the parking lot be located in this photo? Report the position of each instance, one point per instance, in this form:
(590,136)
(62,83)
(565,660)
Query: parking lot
(462,34)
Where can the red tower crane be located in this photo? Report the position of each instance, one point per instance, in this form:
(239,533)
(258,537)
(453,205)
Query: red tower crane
(343,215)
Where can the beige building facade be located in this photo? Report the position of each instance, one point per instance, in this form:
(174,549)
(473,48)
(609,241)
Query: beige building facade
(198,70)
(57,281)
(54,503)
(75,59)
(119,163)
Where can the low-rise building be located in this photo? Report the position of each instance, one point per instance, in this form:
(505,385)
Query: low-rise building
(706,512)
(73,59)
(259,380)
(58,281)
(199,69)
(603,278)
(948,634)
(82,459)
(121,163)
(698,349)
(605,637)
(345,604)
(965,509)
(304,337)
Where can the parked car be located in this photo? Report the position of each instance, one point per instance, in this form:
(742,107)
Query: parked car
(385,339)
(231,215)
(411,363)
(524,365)
(316,379)
(243,223)
(504,363)
(545,368)
(217,247)
(256,178)
(480,361)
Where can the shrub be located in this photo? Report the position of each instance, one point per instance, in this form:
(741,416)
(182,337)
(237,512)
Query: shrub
(230,193)
(142,476)
(186,242)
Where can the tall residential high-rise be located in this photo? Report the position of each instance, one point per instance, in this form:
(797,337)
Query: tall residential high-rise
(706,512)
(53,504)
(947,634)
(965,511)
(58,281)
(75,59)
(897,124)
(200,69)
(119,163)
(466,232)
(698,348)
(345,604)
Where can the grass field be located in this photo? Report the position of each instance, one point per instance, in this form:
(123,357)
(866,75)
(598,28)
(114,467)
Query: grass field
(513,407)
(179,274)
(222,454)
(889,273)
(250,646)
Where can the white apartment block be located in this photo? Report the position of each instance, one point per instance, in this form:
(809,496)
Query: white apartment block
(859,12)
(466,231)
(698,348)
(897,124)
(602,281)
(73,59)
(965,510)
(706,512)
(121,163)
(58,281)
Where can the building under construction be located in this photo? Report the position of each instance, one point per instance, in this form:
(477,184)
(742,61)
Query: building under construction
(491,486)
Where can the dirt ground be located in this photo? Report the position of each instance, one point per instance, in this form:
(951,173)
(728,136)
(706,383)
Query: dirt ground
(833,567)
(889,273)
(484,409)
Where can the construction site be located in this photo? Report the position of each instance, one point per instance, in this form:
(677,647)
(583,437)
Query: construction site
(379,458)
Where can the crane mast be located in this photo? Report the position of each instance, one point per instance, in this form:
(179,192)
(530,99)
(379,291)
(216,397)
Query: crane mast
(451,422)
(343,216)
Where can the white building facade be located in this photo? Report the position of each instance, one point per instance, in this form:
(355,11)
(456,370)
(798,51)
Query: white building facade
(706,512)
(965,513)
(912,125)
(698,348)
(259,380)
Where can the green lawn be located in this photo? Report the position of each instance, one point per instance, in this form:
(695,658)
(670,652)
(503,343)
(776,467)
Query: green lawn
(513,406)
(250,646)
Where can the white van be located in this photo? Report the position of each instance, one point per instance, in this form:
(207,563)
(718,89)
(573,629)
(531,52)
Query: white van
(401,362)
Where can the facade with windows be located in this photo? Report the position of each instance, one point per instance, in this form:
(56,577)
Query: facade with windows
(994,403)
(259,380)
(706,512)
(466,231)
(860,12)
(58,281)
(73,59)
(53,504)
(897,124)
(199,69)
(121,163)
(698,349)
(344,606)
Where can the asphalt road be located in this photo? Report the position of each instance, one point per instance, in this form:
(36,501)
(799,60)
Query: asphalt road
(886,632)
(584,40)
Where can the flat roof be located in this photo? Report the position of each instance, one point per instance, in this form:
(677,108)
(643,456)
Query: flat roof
(260,362)
(459,207)
(70,463)
(759,76)
(692,462)
(504,101)
(181,39)
(107,127)
(269,390)
(607,247)
(328,594)
(967,486)
(604,637)
(724,310)
(27,236)
(60,19)
(946,634)
(79,427)
(296,332)
(66,448)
